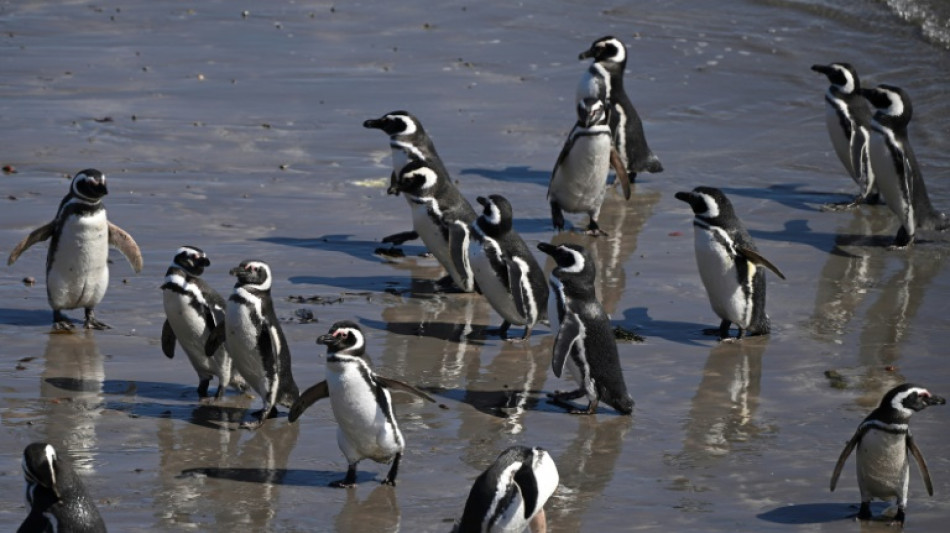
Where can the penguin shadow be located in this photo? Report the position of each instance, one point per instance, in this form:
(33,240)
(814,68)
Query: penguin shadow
(791,195)
(342,243)
(689,333)
(26,317)
(521,174)
(378,511)
(820,513)
(797,231)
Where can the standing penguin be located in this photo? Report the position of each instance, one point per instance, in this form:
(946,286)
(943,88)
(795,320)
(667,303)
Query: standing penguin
(255,340)
(440,215)
(883,440)
(603,80)
(504,268)
(193,310)
(728,263)
(585,341)
(77,264)
(55,494)
(409,142)
(361,403)
(579,179)
(848,119)
(509,497)
(896,171)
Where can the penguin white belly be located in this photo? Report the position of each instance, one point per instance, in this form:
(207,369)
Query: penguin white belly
(497,293)
(363,429)
(513,519)
(190,330)
(883,469)
(580,181)
(241,338)
(593,84)
(840,141)
(717,269)
(888,181)
(79,273)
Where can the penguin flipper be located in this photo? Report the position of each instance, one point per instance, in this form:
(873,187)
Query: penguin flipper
(565,341)
(845,453)
(458,249)
(395,384)
(124,242)
(924,471)
(860,161)
(39,234)
(308,398)
(566,149)
(516,284)
(215,340)
(621,172)
(168,340)
(758,259)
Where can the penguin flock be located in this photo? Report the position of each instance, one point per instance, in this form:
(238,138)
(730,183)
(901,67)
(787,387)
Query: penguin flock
(239,339)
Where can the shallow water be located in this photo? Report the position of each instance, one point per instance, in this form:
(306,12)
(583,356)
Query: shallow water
(243,136)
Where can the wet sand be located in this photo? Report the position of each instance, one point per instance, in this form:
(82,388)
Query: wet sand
(242,135)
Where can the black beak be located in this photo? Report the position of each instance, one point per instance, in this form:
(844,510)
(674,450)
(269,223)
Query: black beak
(586,54)
(684,196)
(935,400)
(482,200)
(373,123)
(824,69)
(235,271)
(327,340)
(547,248)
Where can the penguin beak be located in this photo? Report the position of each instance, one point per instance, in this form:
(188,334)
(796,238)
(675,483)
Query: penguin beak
(824,69)
(684,196)
(590,52)
(547,248)
(236,271)
(374,123)
(934,400)
(482,200)
(327,340)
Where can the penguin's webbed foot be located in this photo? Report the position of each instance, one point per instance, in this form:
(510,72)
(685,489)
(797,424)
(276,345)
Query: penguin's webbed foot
(348,481)
(203,386)
(902,240)
(93,323)
(393,471)
(898,518)
(593,229)
(840,206)
(562,399)
(865,512)
(61,323)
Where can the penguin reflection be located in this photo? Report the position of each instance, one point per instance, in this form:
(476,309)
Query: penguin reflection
(378,512)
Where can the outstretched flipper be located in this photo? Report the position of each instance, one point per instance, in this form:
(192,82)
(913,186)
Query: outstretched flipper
(567,335)
(308,398)
(395,384)
(757,258)
(168,340)
(924,471)
(852,444)
(458,248)
(621,172)
(40,234)
(126,244)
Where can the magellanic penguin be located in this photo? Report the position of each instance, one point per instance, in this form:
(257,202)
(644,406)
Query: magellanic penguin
(585,341)
(603,80)
(77,263)
(509,496)
(55,494)
(504,268)
(883,441)
(896,171)
(579,179)
(729,263)
(409,142)
(361,403)
(441,216)
(848,119)
(192,312)
(255,340)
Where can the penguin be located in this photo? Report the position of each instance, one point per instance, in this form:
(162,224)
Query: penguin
(506,272)
(848,119)
(585,341)
(77,263)
(883,441)
(193,310)
(55,494)
(410,142)
(729,263)
(361,403)
(441,216)
(896,171)
(603,80)
(510,495)
(579,179)
(255,340)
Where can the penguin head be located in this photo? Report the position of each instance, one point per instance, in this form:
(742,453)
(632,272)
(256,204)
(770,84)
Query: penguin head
(496,216)
(607,49)
(891,105)
(573,261)
(908,398)
(708,203)
(842,76)
(192,260)
(40,466)
(90,185)
(417,178)
(344,337)
(252,273)
(396,124)
(591,112)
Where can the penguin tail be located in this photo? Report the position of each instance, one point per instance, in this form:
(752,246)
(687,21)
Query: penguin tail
(653,165)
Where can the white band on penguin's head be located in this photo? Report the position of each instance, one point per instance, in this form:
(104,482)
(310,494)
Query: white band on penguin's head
(409,125)
(578,265)
(896,108)
(712,206)
(431,178)
(898,401)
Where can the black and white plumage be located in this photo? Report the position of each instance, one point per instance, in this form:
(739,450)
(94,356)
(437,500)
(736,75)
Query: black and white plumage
(192,312)
(440,199)
(504,268)
(896,170)
(55,494)
(603,80)
(361,403)
(77,263)
(255,340)
(729,263)
(585,341)
(883,442)
(848,119)
(579,179)
(509,496)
